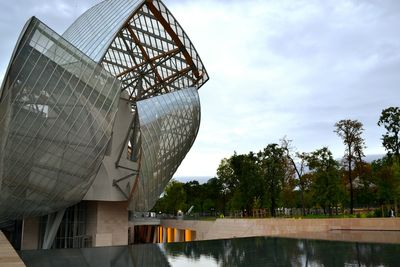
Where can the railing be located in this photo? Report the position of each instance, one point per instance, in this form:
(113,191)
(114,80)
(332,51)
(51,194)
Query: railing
(266,213)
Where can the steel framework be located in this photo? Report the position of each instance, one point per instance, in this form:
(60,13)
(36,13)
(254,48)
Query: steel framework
(59,99)
(56,114)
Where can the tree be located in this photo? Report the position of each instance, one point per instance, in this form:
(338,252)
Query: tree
(297,167)
(212,196)
(227,176)
(250,182)
(240,180)
(327,188)
(386,174)
(366,185)
(194,195)
(350,131)
(273,162)
(174,197)
(390,120)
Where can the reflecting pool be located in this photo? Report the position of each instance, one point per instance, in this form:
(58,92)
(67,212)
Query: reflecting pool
(252,251)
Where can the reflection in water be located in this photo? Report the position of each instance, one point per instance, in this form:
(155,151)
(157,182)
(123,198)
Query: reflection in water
(254,251)
(121,256)
(258,251)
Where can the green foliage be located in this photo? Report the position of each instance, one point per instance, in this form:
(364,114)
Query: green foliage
(365,190)
(273,165)
(378,212)
(173,200)
(327,188)
(390,120)
(278,177)
(256,203)
(241,180)
(350,131)
(181,196)
(323,216)
(226,175)
(387,178)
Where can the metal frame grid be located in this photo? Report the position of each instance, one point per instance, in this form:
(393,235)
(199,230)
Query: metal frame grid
(139,41)
(58,106)
(169,124)
(56,117)
(149,52)
(94,30)
(152,49)
(152,55)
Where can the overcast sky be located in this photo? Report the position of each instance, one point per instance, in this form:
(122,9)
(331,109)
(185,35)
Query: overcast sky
(276,68)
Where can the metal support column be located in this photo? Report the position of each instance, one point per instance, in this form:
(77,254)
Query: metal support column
(53,223)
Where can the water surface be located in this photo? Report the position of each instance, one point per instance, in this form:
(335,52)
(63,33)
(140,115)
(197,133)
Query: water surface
(253,251)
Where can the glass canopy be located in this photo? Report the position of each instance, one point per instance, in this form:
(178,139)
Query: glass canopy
(56,117)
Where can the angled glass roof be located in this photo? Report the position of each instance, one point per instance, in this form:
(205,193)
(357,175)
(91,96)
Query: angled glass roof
(139,41)
(94,30)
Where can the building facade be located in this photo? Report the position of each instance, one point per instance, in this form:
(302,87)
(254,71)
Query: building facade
(103,113)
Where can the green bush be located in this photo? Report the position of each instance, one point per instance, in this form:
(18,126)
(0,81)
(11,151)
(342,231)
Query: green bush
(370,214)
(378,212)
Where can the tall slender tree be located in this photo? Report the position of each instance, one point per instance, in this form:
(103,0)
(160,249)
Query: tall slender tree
(350,131)
(298,167)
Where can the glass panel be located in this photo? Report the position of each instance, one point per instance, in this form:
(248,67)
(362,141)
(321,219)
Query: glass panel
(93,32)
(128,38)
(56,115)
(168,126)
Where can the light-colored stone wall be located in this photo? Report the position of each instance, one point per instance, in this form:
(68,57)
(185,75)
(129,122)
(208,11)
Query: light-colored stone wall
(102,189)
(229,228)
(8,256)
(108,223)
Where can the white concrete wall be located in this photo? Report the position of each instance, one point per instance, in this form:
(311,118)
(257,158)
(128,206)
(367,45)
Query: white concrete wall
(102,188)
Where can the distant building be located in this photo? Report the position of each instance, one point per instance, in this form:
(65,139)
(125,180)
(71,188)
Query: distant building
(104,113)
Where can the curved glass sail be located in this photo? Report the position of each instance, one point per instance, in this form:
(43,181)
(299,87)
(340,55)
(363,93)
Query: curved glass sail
(139,42)
(144,46)
(168,125)
(58,104)
(93,31)
(56,115)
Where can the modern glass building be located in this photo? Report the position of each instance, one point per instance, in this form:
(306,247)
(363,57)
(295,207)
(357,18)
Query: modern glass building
(104,113)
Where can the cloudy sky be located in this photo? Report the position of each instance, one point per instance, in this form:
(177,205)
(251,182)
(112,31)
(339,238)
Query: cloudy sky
(276,68)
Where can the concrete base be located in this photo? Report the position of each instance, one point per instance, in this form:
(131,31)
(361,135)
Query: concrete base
(362,230)
(107,223)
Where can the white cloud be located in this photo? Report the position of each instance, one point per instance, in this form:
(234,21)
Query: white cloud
(276,68)
(290,67)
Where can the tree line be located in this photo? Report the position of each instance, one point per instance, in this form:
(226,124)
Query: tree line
(278,176)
